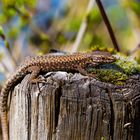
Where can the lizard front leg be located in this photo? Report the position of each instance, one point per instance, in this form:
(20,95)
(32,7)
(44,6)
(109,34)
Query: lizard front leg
(34,70)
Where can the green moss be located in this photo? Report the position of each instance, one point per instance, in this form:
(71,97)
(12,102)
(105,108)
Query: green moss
(117,72)
(128,64)
(102,48)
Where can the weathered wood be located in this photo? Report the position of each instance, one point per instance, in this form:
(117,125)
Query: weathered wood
(75,107)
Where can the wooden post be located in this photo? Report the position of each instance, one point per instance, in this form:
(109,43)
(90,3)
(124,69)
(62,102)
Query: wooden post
(74,107)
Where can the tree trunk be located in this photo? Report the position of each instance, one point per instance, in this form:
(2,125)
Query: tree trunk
(74,107)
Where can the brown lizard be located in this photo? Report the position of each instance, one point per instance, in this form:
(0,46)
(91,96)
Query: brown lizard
(35,65)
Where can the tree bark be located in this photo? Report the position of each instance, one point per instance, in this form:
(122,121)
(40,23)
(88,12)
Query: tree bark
(74,107)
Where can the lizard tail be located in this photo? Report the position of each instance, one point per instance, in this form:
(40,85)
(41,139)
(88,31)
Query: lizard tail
(3,113)
(10,83)
(5,125)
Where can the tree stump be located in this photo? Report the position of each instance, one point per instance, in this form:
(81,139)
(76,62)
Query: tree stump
(74,107)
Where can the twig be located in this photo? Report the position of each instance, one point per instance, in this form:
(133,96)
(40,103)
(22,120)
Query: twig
(4,67)
(82,27)
(108,25)
(7,45)
(16,9)
(131,52)
(33,27)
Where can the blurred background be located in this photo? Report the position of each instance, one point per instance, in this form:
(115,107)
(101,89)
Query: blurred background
(33,27)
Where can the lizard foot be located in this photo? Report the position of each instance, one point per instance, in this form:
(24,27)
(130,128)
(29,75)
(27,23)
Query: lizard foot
(37,81)
(92,75)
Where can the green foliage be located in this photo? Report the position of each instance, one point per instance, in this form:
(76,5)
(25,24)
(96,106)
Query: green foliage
(6,15)
(97,40)
(6,43)
(13,33)
(135,6)
(73,25)
(2,32)
(117,14)
(95,37)
(11,8)
(93,41)
(42,41)
(61,39)
(88,38)
(94,17)
(29,3)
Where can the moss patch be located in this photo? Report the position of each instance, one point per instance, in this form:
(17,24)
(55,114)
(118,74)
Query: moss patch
(117,72)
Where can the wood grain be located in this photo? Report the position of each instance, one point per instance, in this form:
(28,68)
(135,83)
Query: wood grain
(75,107)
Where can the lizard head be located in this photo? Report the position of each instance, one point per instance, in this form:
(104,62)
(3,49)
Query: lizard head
(102,57)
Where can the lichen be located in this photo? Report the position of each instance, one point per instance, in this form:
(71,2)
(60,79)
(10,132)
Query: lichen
(118,72)
(128,64)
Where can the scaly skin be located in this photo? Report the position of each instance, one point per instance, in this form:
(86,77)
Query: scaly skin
(35,65)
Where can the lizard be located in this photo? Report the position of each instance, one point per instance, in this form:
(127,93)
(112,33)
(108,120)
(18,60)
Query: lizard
(34,65)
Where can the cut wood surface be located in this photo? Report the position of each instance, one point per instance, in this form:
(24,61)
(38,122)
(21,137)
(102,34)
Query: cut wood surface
(74,107)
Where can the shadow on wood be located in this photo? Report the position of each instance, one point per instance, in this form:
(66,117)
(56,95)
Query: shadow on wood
(75,107)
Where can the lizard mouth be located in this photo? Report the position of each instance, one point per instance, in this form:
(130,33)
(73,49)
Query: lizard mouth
(111,60)
(104,60)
